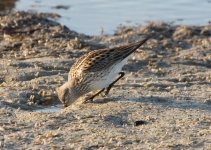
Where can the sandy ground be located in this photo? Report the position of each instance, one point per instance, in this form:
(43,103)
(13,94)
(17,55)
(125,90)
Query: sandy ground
(163,102)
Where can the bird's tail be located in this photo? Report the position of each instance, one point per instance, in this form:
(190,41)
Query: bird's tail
(125,51)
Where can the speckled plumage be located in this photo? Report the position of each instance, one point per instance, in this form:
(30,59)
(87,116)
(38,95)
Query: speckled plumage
(95,70)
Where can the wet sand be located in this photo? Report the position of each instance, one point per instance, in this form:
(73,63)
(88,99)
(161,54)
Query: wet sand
(163,102)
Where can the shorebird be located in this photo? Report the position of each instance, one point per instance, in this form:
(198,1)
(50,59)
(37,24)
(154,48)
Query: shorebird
(96,70)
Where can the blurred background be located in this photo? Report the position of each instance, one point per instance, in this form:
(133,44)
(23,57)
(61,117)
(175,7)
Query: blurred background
(93,16)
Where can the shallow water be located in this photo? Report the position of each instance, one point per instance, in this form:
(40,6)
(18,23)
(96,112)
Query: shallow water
(91,16)
(50,109)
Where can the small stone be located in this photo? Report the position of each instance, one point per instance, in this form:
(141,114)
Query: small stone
(139,122)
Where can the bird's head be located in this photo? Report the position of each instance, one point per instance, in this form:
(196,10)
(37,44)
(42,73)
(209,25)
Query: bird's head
(67,94)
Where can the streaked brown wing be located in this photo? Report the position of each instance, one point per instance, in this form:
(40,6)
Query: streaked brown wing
(101,59)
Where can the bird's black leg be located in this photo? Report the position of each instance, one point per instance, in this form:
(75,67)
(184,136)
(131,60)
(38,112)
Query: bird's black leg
(92,97)
(122,74)
(108,88)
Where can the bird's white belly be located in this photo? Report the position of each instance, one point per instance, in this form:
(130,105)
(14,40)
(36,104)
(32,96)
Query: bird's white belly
(109,76)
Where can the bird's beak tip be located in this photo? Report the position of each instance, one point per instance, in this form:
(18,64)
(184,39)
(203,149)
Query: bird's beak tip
(64,105)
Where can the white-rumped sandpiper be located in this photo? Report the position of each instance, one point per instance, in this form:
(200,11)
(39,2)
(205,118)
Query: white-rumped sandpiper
(96,70)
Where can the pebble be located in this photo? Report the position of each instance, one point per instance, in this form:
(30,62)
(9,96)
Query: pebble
(139,122)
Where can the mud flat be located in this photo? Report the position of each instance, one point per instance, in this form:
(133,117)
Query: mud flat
(164,101)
